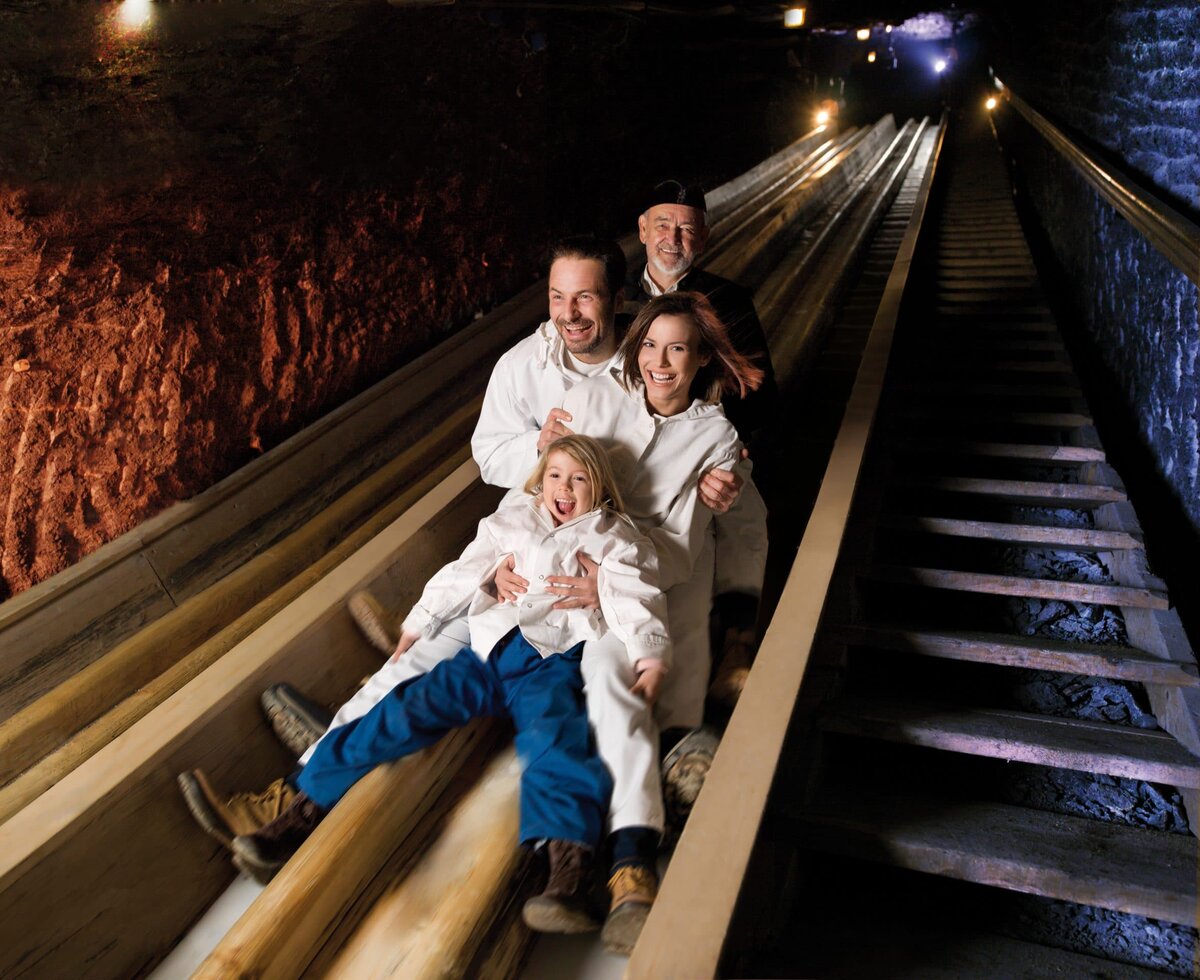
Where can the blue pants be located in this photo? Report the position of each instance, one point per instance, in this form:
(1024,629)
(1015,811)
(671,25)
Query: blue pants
(565,788)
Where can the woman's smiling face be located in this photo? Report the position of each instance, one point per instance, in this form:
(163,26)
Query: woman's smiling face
(567,489)
(668,361)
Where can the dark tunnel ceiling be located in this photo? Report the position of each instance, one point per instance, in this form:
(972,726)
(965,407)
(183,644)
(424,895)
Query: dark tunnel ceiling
(756,15)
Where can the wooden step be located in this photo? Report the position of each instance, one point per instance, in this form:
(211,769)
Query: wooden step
(992,389)
(1032,367)
(990,296)
(980,324)
(1032,492)
(987,308)
(1031,652)
(1007,450)
(963,341)
(1047,420)
(933,950)
(1127,869)
(1016,585)
(974,279)
(1016,736)
(1031,535)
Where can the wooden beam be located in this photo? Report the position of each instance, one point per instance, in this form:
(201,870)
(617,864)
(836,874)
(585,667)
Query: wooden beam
(688,925)
(1016,585)
(1016,736)
(1032,535)
(282,930)
(40,728)
(90,872)
(432,922)
(1127,869)
(243,597)
(1033,652)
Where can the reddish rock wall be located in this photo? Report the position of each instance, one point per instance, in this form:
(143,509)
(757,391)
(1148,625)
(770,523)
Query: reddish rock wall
(219,225)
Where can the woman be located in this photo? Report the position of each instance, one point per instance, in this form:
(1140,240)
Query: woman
(659,417)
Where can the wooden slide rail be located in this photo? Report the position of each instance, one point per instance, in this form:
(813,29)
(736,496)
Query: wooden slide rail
(283,933)
(106,868)
(99,699)
(690,921)
(91,871)
(1172,233)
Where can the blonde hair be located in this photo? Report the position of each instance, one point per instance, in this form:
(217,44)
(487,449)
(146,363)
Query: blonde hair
(589,454)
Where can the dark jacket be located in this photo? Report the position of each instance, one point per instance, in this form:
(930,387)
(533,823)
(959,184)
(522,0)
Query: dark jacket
(735,306)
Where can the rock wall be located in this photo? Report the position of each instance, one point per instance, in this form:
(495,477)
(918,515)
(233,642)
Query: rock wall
(220,221)
(1124,77)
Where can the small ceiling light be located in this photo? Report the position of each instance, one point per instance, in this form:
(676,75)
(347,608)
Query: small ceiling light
(863,34)
(888,28)
(133,15)
(940,65)
(793,17)
(871,57)
(991,103)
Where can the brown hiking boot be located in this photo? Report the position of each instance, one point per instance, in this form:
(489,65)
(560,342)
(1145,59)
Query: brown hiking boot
(633,888)
(683,773)
(241,813)
(266,850)
(377,626)
(737,654)
(296,720)
(565,905)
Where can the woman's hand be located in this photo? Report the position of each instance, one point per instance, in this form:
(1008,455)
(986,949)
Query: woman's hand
(407,639)
(582,592)
(648,683)
(553,428)
(509,585)
(720,489)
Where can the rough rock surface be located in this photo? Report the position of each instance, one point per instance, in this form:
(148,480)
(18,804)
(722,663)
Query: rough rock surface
(219,221)
(1122,77)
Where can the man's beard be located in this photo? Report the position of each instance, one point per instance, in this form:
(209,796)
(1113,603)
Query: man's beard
(675,269)
(586,346)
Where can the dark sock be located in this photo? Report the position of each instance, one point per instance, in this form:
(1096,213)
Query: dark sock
(668,739)
(736,610)
(634,845)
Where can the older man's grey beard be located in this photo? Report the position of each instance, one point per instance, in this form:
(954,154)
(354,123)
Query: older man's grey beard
(581,324)
(677,268)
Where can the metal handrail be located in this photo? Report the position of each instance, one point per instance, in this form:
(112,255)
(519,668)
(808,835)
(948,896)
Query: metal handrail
(1171,233)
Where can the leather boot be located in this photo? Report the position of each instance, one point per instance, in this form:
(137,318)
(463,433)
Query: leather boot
(296,720)
(737,653)
(241,813)
(566,904)
(633,888)
(265,851)
(376,625)
(683,773)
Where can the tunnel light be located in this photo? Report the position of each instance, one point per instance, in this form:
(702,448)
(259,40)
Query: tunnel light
(940,65)
(133,15)
(990,103)
(793,17)
(822,117)
(888,28)
(871,57)
(863,34)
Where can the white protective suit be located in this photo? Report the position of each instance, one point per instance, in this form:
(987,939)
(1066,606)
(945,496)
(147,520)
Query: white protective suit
(632,606)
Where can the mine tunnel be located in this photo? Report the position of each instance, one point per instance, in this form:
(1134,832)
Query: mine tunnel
(259,262)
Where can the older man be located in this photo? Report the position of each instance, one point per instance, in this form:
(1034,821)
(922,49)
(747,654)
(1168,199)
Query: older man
(674,228)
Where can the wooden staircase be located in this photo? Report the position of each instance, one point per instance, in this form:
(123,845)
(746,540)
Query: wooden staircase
(987,457)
